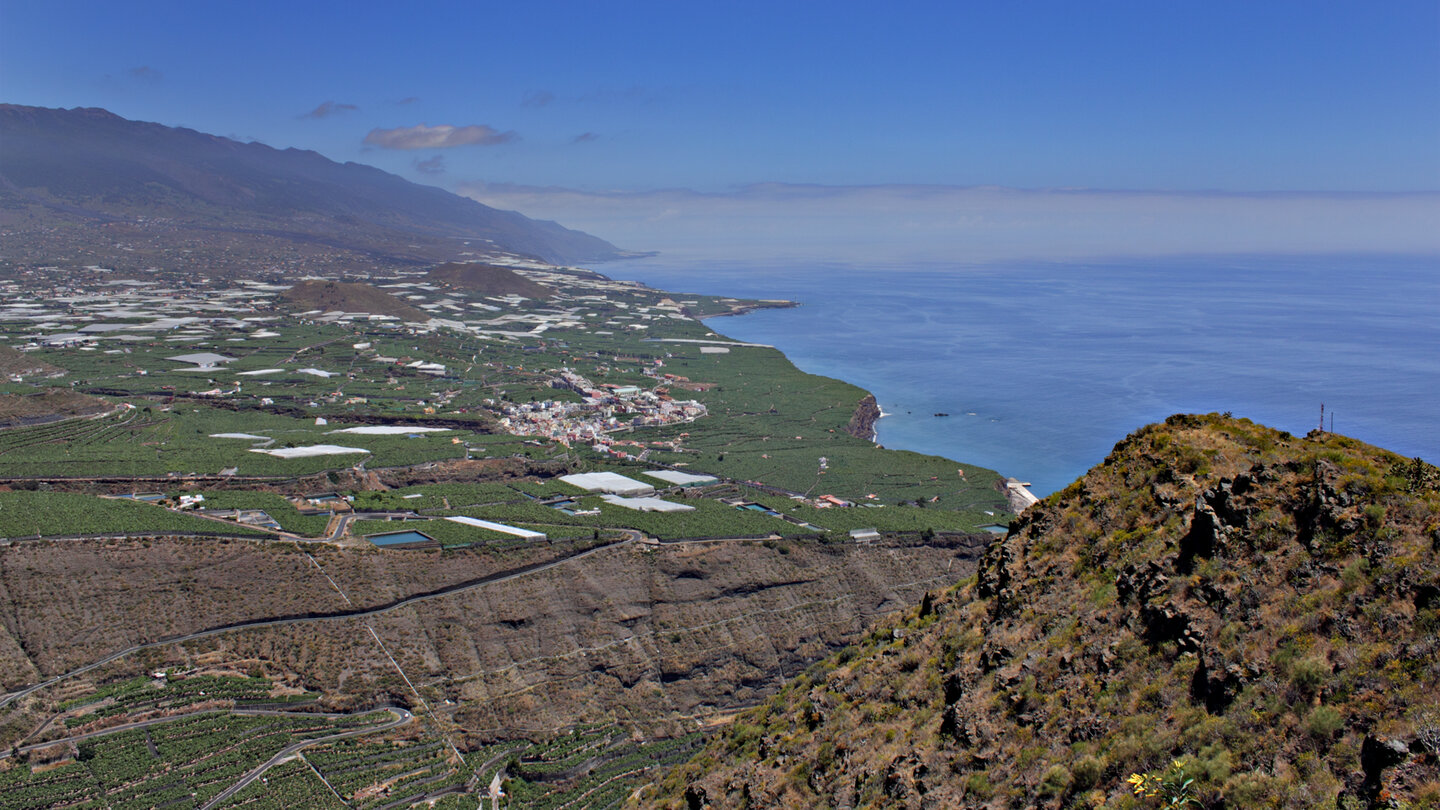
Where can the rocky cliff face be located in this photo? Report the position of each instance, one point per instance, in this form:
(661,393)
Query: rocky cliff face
(862,424)
(656,636)
(1219,615)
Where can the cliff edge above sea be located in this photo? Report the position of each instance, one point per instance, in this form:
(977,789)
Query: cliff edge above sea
(862,424)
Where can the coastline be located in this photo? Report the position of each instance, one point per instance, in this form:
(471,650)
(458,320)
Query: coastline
(867,411)
(1200,334)
(740,307)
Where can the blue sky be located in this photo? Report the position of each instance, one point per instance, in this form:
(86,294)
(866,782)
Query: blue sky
(652,120)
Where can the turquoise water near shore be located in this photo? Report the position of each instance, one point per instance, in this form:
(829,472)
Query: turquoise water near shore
(1043,367)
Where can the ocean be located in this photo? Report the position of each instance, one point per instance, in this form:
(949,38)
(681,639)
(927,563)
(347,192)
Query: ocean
(1040,368)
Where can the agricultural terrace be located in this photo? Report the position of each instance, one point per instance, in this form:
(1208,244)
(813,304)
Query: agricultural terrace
(186,739)
(64,514)
(190,759)
(225,383)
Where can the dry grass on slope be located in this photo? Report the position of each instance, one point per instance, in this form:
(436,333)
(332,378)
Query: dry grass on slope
(1259,608)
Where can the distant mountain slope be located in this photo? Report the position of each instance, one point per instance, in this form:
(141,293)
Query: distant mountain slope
(487,279)
(1216,602)
(333,296)
(172,188)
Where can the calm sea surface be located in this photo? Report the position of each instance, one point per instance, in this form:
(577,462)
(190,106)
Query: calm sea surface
(1043,367)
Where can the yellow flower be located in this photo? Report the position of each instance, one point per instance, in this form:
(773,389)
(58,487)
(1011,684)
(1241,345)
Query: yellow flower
(1138,782)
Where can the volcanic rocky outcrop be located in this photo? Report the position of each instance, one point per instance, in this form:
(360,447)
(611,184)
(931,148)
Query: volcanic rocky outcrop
(344,296)
(1219,615)
(862,424)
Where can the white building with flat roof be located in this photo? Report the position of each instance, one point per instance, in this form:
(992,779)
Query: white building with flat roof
(610,482)
(496,527)
(647,504)
(682,479)
(204,361)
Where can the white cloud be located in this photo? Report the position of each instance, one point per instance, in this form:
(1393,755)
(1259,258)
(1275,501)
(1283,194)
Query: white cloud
(950,223)
(146,73)
(329,108)
(434,165)
(443,136)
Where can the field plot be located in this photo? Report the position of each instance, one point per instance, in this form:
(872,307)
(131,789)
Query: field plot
(277,507)
(372,773)
(710,519)
(594,766)
(186,761)
(443,531)
(151,441)
(60,514)
(288,785)
(189,761)
(143,695)
(439,496)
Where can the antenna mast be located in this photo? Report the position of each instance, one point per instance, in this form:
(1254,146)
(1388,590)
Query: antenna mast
(1322,417)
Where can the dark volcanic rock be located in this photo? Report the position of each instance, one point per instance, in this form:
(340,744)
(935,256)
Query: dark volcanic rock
(862,424)
(1217,602)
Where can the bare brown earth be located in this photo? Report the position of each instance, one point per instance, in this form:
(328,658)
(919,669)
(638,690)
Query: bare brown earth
(487,279)
(52,403)
(654,636)
(16,362)
(862,424)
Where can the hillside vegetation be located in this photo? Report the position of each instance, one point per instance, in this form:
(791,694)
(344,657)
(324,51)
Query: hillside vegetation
(1219,615)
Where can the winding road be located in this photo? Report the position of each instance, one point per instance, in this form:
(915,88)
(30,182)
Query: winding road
(402,717)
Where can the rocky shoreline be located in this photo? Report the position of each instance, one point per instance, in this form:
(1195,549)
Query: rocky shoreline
(742,307)
(862,423)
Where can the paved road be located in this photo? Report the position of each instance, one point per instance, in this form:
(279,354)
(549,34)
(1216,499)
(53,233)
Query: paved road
(401,718)
(342,524)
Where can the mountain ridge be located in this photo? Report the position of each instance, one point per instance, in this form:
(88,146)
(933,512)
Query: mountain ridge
(1218,615)
(89,164)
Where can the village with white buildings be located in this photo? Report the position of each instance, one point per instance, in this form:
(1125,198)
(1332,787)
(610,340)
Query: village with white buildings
(603,411)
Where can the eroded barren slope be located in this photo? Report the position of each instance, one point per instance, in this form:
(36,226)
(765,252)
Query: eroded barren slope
(652,635)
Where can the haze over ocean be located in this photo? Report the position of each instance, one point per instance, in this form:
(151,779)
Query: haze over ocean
(1042,367)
